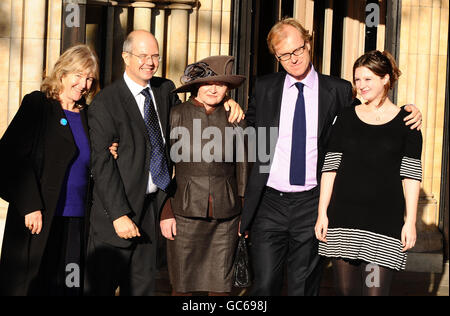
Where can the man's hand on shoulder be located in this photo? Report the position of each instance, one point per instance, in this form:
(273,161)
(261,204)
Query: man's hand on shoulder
(236,112)
(415,118)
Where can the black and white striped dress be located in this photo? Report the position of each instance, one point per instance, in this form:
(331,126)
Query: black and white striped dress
(367,207)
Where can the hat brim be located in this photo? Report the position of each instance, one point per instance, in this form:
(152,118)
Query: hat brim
(232,81)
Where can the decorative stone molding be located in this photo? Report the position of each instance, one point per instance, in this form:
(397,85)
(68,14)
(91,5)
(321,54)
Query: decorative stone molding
(159,4)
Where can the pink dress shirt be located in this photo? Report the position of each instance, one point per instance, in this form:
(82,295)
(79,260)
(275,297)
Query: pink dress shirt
(279,171)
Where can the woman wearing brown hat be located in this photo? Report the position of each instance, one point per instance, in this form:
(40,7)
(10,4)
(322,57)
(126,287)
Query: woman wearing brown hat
(201,220)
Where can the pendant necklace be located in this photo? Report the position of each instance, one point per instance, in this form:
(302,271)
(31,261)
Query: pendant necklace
(378,114)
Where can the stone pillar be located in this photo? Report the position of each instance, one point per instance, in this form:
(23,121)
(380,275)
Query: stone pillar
(381,29)
(193,35)
(109,43)
(159,32)
(422,59)
(304,12)
(33,45)
(353,36)
(327,38)
(6,35)
(120,33)
(142,15)
(225,28)
(177,41)
(53,33)
(7,10)
(15,60)
(204,32)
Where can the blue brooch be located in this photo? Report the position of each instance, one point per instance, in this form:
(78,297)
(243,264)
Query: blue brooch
(63,122)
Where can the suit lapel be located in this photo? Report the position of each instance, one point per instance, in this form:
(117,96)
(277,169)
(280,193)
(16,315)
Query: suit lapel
(157,93)
(129,102)
(274,97)
(326,103)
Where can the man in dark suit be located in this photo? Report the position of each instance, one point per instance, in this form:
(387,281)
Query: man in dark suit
(282,195)
(129,191)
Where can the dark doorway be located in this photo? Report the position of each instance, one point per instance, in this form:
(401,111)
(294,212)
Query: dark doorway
(253,20)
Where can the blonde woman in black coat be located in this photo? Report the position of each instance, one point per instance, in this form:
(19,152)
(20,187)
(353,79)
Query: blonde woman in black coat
(44,169)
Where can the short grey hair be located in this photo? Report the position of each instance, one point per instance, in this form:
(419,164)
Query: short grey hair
(128,43)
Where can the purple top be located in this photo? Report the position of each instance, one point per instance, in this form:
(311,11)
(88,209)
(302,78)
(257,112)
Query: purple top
(279,171)
(73,193)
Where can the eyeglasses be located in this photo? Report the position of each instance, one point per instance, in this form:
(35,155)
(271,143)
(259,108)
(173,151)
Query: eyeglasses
(146,58)
(298,52)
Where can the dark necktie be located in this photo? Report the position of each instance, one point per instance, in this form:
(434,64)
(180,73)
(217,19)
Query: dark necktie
(298,151)
(158,161)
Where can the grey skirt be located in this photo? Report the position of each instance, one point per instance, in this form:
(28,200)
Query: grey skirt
(200,259)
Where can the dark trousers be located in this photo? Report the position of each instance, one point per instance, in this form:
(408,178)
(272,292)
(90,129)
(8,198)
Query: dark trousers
(131,269)
(283,233)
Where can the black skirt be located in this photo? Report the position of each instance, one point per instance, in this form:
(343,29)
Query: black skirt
(61,271)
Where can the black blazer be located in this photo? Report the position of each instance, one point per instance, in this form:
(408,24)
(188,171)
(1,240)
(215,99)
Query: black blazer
(120,185)
(264,111)
(35,154)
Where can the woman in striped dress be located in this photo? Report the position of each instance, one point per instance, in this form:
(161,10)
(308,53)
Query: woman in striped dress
(371,176)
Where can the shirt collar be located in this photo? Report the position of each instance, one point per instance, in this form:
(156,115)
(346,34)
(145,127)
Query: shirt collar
(309,81)
(134,87)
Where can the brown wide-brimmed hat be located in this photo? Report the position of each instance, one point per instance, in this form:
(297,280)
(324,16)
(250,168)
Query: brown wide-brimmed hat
(210,69)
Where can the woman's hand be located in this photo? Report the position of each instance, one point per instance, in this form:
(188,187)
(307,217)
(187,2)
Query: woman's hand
(169,228)
(321,228)
(239,231)
(113,150)
(415,118)
(409,236)
(33,221)
(236,113)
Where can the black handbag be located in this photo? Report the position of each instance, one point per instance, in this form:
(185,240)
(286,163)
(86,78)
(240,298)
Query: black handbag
(242,276)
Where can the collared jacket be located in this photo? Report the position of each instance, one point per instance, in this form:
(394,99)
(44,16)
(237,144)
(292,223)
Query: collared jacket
(36,152)
(211,165)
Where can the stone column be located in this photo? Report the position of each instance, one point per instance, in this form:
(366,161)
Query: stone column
(109,43)
(15,59)
(33,45)
(423,57)
(353,36)
(159,32)
(304,12)
(53,33)
(7,10)
(227,20)
(120,34)
(193,35)
(204,29)
(177,41)
(142,15)
(327,38)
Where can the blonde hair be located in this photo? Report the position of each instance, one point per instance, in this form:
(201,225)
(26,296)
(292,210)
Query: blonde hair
(76,59)
(277,33)
(381,64)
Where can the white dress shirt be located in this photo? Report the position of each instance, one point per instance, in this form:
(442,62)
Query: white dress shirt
(136,90)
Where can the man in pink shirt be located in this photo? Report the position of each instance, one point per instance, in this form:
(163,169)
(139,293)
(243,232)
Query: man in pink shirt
(280,207)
